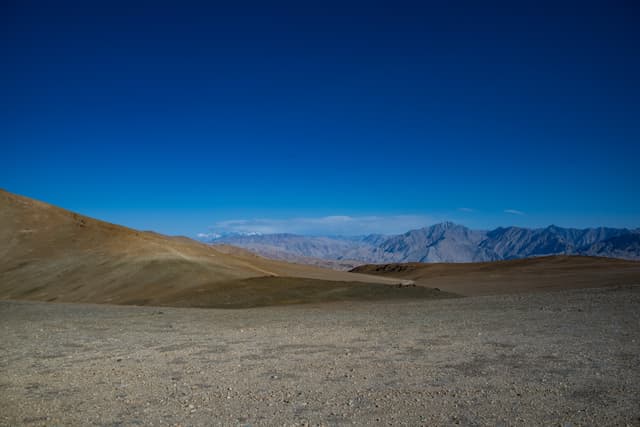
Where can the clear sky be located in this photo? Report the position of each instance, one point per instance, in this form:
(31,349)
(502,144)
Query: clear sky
(187,116)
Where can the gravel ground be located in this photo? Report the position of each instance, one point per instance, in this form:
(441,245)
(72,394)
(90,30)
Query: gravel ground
(561,358)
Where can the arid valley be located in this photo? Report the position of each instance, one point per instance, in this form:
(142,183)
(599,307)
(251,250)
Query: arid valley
(208,335)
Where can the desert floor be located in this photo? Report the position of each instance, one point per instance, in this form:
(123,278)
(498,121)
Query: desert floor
(532,359)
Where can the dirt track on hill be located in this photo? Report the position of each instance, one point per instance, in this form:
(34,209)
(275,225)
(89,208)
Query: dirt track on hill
(536,359)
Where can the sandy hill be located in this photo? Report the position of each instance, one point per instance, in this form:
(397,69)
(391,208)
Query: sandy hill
(515,276)
(51,254)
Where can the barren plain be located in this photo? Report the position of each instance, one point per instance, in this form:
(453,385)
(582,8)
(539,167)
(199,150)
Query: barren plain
(558,358)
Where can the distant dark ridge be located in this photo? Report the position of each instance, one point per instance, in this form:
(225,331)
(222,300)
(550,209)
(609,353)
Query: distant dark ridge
(538,274)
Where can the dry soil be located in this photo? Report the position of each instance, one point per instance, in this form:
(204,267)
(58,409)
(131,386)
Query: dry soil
(558,358)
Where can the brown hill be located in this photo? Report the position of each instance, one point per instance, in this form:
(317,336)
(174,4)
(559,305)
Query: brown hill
(51,254)
(523,275)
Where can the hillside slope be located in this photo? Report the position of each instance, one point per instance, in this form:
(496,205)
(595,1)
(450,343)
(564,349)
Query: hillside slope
(51,254)
(514,276)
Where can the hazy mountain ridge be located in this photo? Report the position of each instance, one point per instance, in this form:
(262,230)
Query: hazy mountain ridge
(447,242)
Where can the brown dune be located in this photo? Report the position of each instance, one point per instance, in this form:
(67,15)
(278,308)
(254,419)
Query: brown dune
(51,254)
(514,276)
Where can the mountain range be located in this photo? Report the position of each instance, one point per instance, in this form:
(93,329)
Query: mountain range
(443,242)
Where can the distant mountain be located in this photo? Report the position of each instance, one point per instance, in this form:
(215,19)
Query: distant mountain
(444,242)
(292,247)
(625,246)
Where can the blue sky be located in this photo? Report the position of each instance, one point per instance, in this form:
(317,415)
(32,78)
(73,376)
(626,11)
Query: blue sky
(189,116)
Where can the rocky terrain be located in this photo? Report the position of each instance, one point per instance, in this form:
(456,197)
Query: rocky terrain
(445,242)
(561,358)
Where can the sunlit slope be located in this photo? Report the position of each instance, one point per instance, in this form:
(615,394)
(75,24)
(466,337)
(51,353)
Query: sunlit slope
(51,254)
